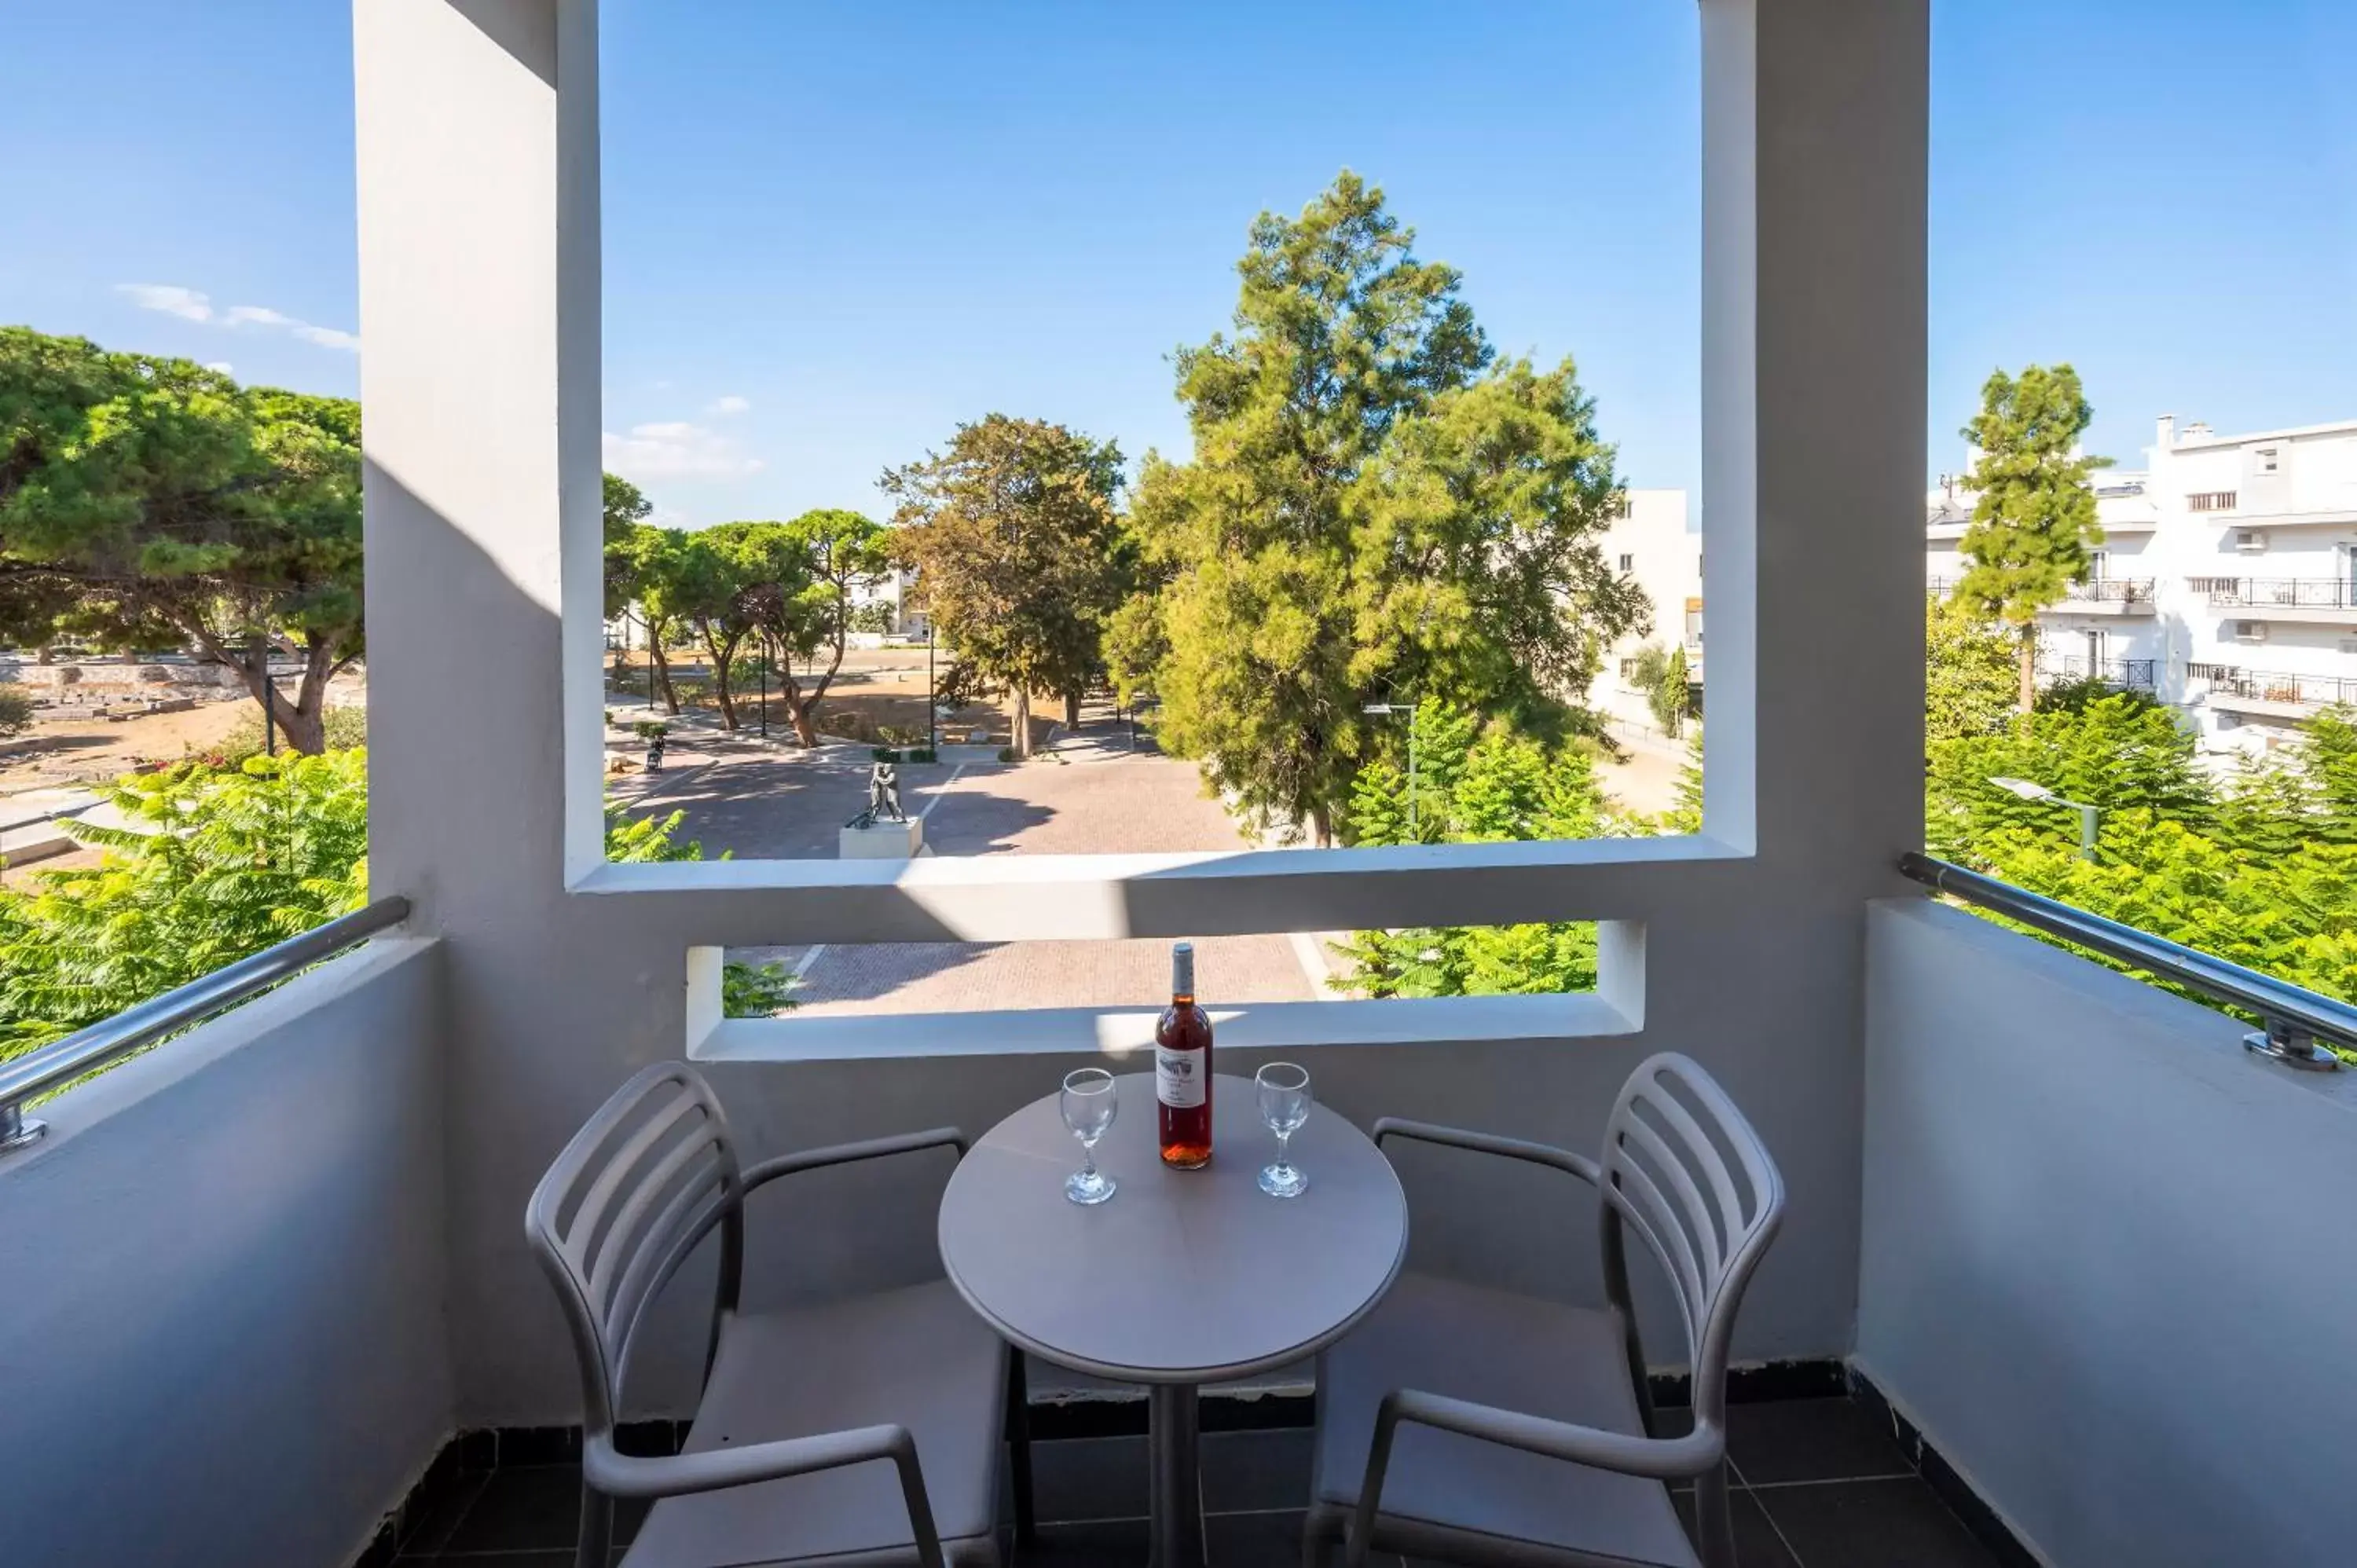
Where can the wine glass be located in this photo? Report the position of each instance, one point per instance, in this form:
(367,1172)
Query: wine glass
(1285,1106)
(1088,1103)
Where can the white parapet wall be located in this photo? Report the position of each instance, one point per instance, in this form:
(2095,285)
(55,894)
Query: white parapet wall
(2110,1260)
(222,1329)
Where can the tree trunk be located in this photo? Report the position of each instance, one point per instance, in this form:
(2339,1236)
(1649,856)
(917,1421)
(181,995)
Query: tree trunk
(1072,710)
(45,654)
(662,675)
(1321,827)
(2029,694)
(1022,722)
(720,682)
(303,720)
(801,707)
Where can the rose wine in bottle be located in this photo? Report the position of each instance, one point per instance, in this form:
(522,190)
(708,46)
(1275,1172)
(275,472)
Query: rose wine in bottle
(1182,1069)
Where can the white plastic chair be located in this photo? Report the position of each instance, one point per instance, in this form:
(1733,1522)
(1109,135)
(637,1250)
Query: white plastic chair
(1482,1426)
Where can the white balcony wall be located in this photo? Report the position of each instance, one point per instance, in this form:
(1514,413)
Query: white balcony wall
(2109,1259)
(478,187)
(222,1340)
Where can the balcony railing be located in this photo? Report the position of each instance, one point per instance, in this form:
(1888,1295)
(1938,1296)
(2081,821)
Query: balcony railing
(57,1064)
(2278,592)
(2288,687)
(2123,674)
(2101,591)
(2110,591)
(2293,1017)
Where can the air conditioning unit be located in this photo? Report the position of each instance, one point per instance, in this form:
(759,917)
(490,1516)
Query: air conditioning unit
(2250,631)
(2251,541)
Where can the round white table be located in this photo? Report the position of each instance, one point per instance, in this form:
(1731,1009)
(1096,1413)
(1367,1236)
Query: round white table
(1183,1277)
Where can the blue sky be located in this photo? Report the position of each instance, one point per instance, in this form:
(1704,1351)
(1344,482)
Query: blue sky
(834,231)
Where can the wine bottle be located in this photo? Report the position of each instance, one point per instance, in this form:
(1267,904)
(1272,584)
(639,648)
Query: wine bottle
(1182,1069)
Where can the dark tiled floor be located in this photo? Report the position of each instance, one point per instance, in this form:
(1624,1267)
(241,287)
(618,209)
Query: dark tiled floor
(1821,1486)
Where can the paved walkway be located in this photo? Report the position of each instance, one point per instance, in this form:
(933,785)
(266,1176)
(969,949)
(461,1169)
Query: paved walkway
(1090,794)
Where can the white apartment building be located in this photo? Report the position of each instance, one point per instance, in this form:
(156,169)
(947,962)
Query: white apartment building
(893,591)
(2226,584)
(1654,541)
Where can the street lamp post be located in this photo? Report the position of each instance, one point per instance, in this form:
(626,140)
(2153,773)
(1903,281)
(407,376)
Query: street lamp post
(765,688)
(2088,815)
(933,712)
(1386,709)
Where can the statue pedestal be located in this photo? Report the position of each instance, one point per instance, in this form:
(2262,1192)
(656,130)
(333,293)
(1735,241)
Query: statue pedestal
(882,841)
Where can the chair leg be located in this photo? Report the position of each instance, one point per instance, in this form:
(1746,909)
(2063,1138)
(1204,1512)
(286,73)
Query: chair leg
(1313,1542)
(1019,1442)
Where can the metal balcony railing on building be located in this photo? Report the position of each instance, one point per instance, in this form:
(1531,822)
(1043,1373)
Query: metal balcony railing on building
(2110,591)
(2123,674)
(2288,687)
(2278,592)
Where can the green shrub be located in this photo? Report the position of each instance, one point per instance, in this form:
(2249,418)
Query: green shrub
(15,710)
(1009,754)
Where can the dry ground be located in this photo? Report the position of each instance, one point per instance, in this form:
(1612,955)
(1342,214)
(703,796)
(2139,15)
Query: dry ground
(89,749)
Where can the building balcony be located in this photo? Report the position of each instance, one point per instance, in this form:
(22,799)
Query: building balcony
(270,1299)
(2321,601)
(232,1276)
(2120,674)
(2103,597)
(2272,693)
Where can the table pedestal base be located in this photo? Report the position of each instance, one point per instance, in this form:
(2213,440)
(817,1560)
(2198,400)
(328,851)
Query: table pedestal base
(1177,1502)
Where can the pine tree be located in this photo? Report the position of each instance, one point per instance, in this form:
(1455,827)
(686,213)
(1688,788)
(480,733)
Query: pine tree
(2034,530)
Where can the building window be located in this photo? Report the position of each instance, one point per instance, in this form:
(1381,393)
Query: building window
(1627,669)
(2211,501)
(1628,563)
(1624,505)
(2269,457)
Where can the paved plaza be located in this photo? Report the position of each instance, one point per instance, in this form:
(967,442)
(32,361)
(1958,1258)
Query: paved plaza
(1090,794)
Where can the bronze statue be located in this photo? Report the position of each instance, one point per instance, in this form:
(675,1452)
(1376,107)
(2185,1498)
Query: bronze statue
(884,794)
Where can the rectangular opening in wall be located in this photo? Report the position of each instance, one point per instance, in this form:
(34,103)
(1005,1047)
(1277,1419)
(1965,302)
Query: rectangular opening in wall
(957,508)
(881,979)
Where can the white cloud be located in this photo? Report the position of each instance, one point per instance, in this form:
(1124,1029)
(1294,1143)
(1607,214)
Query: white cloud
(191,306)
(221,367)
(169,298)
(732,403)
(674,449)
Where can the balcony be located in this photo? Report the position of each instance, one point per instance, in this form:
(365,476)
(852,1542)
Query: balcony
(2107,596)
(2321,601)
(269,1297)
(2102,596)
(2120,674)
(2272,693)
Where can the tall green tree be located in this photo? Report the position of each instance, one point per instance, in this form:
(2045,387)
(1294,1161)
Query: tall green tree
(1374,506)
(1669,691)
(148,502)
(2033,531)
(1018,554)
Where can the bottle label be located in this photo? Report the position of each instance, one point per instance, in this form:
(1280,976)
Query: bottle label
(1178,1078)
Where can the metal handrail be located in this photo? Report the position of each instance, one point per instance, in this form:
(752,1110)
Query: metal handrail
(2295,1017)
(85,1050)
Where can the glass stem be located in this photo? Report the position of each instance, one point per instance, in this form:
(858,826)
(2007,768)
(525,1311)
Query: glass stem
(1284,1142)
(1089,1159)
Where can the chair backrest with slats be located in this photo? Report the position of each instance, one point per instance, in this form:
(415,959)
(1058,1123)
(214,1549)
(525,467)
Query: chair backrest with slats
(644,1181)
(1683,1169)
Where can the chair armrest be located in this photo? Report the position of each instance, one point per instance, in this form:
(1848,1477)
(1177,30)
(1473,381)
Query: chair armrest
(1660,1458)
(846,1154)
(1546,1154)
(680,1474)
